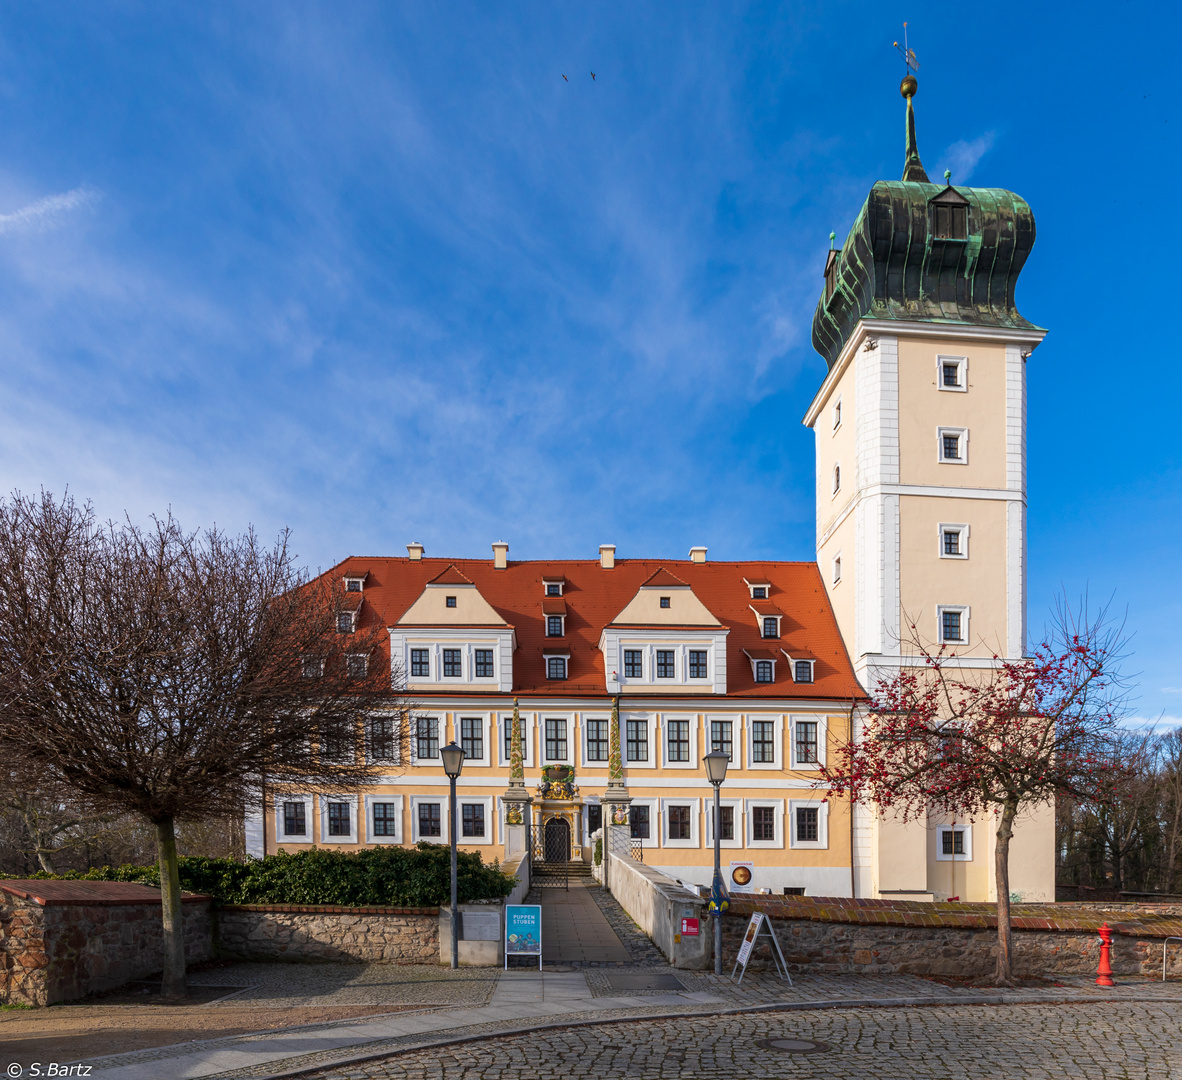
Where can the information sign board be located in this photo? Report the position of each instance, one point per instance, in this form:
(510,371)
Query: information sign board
(689,927)
(761,926)
(523,931)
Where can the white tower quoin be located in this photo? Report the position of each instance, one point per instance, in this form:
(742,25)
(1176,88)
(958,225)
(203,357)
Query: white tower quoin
(920,429)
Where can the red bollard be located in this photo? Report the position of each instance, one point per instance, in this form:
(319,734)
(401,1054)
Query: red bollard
(1104,971)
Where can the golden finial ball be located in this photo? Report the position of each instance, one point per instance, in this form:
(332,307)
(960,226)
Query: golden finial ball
(908,86)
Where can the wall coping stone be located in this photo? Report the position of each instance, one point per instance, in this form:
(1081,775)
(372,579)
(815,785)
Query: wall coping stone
(919,913)
(89,893)
(330,909)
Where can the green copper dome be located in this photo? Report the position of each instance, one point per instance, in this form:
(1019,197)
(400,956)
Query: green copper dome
(924,252)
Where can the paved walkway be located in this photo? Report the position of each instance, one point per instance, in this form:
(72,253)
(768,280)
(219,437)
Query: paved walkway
(574,929)
(526,1001)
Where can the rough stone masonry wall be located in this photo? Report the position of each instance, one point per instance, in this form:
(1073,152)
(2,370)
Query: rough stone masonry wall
(58,953)
(297,933)
(876,941)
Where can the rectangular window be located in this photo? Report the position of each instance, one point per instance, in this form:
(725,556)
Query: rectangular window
(353,584)
(312,667)
(836,569)
(638,820)
(763,823)
(678,740)
(381,735)
(952,447)
(356,665)
(951,221)
(507,732)
(953,841)
(758,592)
(806,742)
(804,671)
(484,663)
(726,814)
(807,825)
(338,819)
(664,663)
(697,664)
(345,622)
(555,740)
(472,737)
(430,819)
(951,541)
(597,740)
(334,746)
(771,626)
(555,667)
(950,626)
(553,589)
(473,818)
(295,822)
(721,738)
(453,667)
(951,374)
(553,626)
(664,601)
(420,666)
(763,740)
(427,737)
(385,819)
(679,822)
(633,664)
(637,740)
(764,671)
(451,601)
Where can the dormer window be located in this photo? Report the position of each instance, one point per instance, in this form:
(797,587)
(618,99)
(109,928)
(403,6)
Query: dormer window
(554,625)
(950,215)
(346,621)
(764,671)
(553,586)
(556,667)
(771,626)
(802,671)
(450,601)
(831,264)
(664,601)
(353,584)
(760,588)
(758,592)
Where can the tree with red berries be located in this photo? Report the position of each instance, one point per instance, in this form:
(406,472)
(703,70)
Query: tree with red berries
(943,736)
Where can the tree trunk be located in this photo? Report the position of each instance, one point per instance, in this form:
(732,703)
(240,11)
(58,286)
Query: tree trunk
(1005,937)
(174,985)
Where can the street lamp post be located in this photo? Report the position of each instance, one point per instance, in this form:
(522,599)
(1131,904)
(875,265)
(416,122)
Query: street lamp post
(453,762)
(716,763)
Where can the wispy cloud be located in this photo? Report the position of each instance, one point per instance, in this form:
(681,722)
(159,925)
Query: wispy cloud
(1171,689)
(963,156)
(47,212)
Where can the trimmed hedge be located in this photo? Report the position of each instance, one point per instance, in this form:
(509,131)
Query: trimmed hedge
(386,876)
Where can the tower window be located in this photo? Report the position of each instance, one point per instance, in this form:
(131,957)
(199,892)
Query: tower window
(836,479)
(954,625)
(836,569)
(951,448)
(837,414)
(954,541)
(951,542)
(950,222)
(953,445)
(952,373)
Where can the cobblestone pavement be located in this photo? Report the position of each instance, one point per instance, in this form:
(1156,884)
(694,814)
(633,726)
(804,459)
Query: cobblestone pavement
(1096,1041)
(295,985)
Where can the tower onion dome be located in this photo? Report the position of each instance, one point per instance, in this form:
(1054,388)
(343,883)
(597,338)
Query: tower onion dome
(924,252)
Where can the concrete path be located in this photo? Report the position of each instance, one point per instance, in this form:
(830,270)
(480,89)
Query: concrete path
(574,930)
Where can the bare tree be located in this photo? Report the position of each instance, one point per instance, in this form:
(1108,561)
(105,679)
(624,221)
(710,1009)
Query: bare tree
(173,674)
(942,737)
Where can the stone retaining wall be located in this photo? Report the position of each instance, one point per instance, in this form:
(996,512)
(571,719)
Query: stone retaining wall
(321,934)
(959,940)
(61,940)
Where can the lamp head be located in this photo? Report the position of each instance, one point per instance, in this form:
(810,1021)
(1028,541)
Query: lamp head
(716,763)
(453,759)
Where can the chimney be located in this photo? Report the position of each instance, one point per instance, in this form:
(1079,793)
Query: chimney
(415,551)
(500,554)
(697,554)
(607,556)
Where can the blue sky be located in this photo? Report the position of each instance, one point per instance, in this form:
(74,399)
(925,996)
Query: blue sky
(377,272)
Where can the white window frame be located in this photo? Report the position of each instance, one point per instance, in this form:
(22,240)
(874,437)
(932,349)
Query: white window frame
(656,823)
(441,737)
(399,827)
(584,761)
(822,723)
(644,661)
(836,480)
(363,657)
(697,680)
(485,729)
(311,667)
(652,727)
(490,819)
(562,625)
(835,569)
(571,735)
(964,623)
(309,819)
(399,719)
(837,413)
(777,741)
(548,582)
(962,374)
(737,736)
(354,577)
(432,669)
(964,539)
(564,657)
(755,670)
(352,836)
(759,625)
(749,823)
(792,662)
(822,808)
(967,829)
(962,435)
(352,622)
(692,720)
(736,806)
(505,724)
(695,840)
(415,801)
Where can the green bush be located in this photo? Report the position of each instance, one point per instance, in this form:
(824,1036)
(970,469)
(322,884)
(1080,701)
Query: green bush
(598,851)
(386,876)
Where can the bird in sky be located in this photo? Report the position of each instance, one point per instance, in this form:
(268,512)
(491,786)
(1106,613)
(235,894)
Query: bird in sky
(593,75)
(565,79)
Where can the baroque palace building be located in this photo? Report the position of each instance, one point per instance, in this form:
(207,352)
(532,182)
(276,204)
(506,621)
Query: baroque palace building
(624,672)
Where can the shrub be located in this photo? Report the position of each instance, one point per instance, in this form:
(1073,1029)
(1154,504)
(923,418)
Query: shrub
(386,876)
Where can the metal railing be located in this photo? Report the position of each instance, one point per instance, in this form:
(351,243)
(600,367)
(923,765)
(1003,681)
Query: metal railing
(637,850)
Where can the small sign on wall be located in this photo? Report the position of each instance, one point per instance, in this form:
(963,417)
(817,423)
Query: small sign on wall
(689,927)
(742,874)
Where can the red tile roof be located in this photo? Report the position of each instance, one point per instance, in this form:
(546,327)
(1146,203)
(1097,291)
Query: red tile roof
(662,579)
(554,606)
(595,596)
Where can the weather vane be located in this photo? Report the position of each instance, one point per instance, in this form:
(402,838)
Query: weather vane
(908,54)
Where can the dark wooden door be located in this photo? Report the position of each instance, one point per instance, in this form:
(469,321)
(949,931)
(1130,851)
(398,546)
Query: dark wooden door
(557,840)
